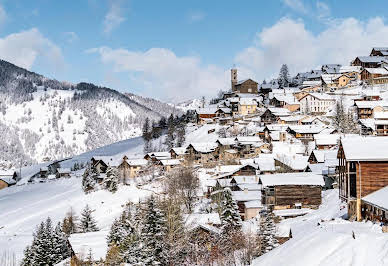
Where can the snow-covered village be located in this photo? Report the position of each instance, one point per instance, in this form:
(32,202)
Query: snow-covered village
(224,169)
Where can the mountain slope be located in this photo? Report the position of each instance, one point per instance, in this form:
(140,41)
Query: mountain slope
(44,119)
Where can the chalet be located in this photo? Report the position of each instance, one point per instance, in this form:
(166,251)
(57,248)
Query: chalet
(366,109)
(292,119)
(7,178)
(287,190)
(375,206)
(304,132)
(169,164)
(206,115)
(283,233)
(370,61)
(130,168)
(84,244)
(370,74)
(321,156)
(239,183)
(243,86)
(371,95)
(100,163)
(63,172)
(202,153)
(266,163)
(247,106)
(331,80)
(242,197)
(363,169)
(273,114)
(353,72)
(316,103)
(287,101)
(275,132)
(178,153)
(203,227)
(381,123)
(379,51)
(250,146)
(223,112)
(43,172)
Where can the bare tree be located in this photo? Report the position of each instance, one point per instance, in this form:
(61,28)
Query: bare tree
(184,183)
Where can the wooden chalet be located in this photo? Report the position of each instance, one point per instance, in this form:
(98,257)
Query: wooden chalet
(155,157)
(288,190)
(304,132)
(100,163)
(178,153)
(245,86)
(369,61)
(130,168)
(363,169)
(63,172)
(243,199)
(273,114)
(168,165)
(370,74)
(202,153)
(366,109)
(379,51)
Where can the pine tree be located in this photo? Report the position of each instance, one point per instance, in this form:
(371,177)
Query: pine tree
(230,216)
(267,233)
(60,247)
(146,129)
(28,258)
(112,179)
(121,229)
(113,257)
(88,223)
(181,136)
(152,234)
(284,76)
(89,178)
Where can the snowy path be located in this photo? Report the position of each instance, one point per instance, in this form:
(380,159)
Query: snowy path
(24,207)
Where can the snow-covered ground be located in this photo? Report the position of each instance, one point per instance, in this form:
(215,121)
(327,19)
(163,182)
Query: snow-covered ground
(24,207)
(323,238)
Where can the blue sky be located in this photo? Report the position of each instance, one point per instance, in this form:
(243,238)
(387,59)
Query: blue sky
(175,50)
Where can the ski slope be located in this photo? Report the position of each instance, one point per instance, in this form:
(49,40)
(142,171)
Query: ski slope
(24,207)
(323,238)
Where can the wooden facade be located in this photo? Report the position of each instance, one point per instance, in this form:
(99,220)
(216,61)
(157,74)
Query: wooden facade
(286,196)
(246,86)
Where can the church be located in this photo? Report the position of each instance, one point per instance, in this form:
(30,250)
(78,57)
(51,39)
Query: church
(243,86)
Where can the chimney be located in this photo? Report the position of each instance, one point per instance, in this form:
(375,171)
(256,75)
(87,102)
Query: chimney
(233,78)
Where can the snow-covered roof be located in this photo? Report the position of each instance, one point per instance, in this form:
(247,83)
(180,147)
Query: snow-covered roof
(248,139)
(266,162)
(306,129)
(9,180)
(170,162)
(347,69)
(246,195)
(207,110)
(247,101)
(370,104)
(380,71)
(323,155)
(160,155)
(224,182)
(201,218)
(250,186)
(278,111)
(204,147)
(245,179)
(253,204)
(380,115)
(244,80)
(320,96)
(365,148)
(94,242)
(179,150)
(378,198)
(63,170)
(372,59)
(329,78)
(305,178)
(226,141)
(326,139)
(137,162)
(292,212)
(288,98)
(7,173)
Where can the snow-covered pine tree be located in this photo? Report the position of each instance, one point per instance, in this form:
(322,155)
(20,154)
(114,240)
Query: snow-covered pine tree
(89,178)
(121,229)
(230,217)
(43,248)
(28,258)
(112,179)
(267,233)
(60,247)
(284,76)
(181,136)
(88,223)
(152,234)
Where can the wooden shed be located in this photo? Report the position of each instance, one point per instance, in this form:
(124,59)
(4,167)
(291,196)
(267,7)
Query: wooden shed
(287,190)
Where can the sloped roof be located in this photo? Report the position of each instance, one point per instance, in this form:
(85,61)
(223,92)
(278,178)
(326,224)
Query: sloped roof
(365,148)
(305,178)
(326,139)
(94,242)
(226,141)
(380,70)
(371,59)
(244,80)
(207,110)
(246,195)
(378,198)
(245,179)
(170,162)
(306,129)
(204,147)
(179,150)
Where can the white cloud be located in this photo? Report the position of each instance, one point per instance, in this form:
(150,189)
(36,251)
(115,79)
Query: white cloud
(296,5)
(25,47)
(196,16)
(71,36)
(288,41)
(164,75)
(114,17)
